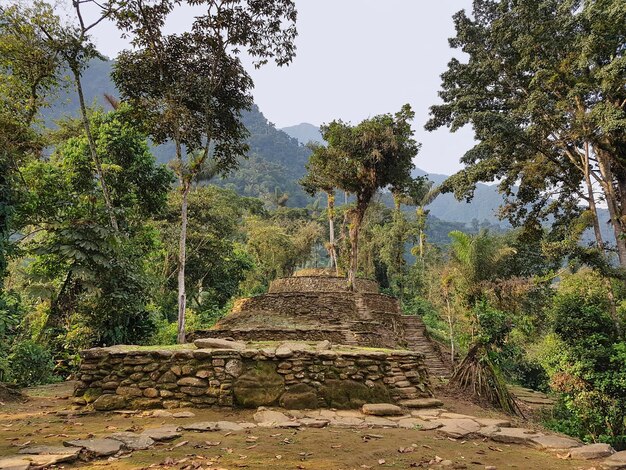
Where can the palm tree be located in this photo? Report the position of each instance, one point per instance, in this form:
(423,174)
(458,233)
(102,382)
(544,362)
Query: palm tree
(475,259)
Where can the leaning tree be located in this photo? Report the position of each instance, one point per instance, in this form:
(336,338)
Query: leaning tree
(191,88)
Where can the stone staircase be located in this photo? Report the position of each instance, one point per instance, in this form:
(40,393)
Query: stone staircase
(416,338)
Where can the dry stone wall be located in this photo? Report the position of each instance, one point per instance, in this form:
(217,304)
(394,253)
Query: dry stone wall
(320,284)
(116,378)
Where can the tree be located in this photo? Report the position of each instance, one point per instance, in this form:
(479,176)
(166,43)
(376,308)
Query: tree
(29,72)
(91,278)
(191,88)
(372,155)
(543,90)
(215,267)
(319,177)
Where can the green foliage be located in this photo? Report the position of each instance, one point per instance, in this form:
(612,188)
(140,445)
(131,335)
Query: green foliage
(30,364)
(591,380)
(216,260)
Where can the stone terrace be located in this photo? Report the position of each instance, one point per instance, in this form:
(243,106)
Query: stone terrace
(320,307)
(292,375)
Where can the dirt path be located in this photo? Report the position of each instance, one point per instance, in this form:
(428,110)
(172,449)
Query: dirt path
(38,422)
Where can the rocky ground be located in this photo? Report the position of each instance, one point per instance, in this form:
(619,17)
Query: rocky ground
(45,430)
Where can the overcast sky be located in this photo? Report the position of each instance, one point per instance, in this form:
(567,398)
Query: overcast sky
(355,59)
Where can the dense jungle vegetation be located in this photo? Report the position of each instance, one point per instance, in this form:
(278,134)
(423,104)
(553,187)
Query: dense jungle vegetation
(141,215)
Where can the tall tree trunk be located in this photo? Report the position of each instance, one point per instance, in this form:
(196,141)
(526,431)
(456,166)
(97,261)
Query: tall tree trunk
(182,259)
(355,226)
(331,230)
(93,150)
(598,234)
(612,203)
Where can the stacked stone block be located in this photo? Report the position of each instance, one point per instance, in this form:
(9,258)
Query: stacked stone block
(113,378)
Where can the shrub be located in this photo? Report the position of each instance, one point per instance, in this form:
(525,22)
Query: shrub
(30,364)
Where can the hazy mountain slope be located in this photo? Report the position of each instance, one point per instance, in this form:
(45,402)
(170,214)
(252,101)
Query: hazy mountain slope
(304,132)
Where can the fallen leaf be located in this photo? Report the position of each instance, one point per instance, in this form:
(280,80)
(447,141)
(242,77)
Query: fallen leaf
(180,444)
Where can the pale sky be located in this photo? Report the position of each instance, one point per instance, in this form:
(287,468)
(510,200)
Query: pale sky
(355,59)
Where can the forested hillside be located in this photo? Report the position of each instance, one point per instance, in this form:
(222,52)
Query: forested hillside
(277,159)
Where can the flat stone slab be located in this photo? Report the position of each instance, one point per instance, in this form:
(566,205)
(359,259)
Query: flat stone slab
(314,423)
(14,463)
(183,414)
(382,409)
(457,427)
(98,447)
(552,442)
(50,450)
(426,414)
(418,424)
(515,435)
(380,422)
(164,433)
(615,461)
(270,416)
(592,451)
(346,422)
(422,403)
(501,423)
(229,426)
(133,441)
(204,426)
(217,343)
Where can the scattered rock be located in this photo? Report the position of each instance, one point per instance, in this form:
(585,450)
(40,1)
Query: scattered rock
(314,423)
(426,414)
(457,427)
(14,463)
(132,440)
(217,343)
(97,447)
(229,426)
(50,450)
(422,403)
(381,409)
(501,423)
(552,442)
(109,402)
(515,435)
(183,414)
(205,426)
(269,416)
(488,431)
(164,433)
(416,423)
(340,422)
(448,415)
(615,461)
(592,451)
(380,422)
(161,414)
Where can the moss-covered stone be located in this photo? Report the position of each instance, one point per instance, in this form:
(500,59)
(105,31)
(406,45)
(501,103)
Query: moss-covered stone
(92,394)
(299,397)
(348,394)
(260,385)
(109,402)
